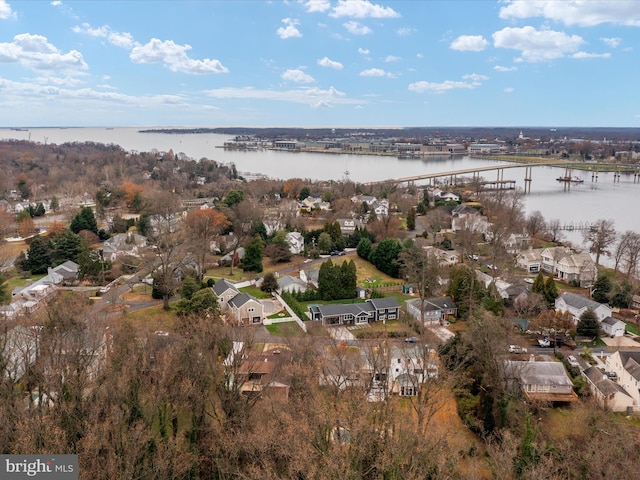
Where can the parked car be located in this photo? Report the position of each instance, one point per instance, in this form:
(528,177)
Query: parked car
(544,342)
(572,361)
(338,253)
(612,375)
(411,339)
(517,349)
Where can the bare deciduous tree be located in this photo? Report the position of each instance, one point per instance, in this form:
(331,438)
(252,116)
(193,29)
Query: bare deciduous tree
(600,238)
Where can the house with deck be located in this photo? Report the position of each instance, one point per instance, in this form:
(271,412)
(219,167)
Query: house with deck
(545,381)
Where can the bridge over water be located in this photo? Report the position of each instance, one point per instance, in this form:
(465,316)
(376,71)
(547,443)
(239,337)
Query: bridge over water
(453,174)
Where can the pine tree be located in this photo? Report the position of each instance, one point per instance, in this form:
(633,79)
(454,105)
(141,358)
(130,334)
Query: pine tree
(550,290)
(538,284)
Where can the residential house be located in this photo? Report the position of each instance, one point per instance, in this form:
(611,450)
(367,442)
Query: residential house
(517,242)
(576,305)
(372,310)
(568,266)
(314,203)
(445,257)
(436,309)
(287,283)
(410,367)
(626,366)
(613,327)
(530,260)
(468,218)
(349,225)
(18,351)
(296,242)
(27,299)
(380,207)
(256,374)
(237,258)
(310,276)
(224,292)
(246,309)
(545,381)
(123,244)
(438,194)
(635,302)
(610,395)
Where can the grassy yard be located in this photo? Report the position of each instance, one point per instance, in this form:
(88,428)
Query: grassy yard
(255,292)
(152,319)
(632,328)
(285,329)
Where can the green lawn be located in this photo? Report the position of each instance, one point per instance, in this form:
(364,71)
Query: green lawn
(256,292)
(285,329)
(632,328)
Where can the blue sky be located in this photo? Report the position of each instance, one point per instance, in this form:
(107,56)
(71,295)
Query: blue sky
(313,63)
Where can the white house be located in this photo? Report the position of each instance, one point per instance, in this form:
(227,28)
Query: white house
(287,283)
(626,365)
(530,260)
(609,394)
(410,367)
(576,305)
(296,242)
(613,327)
(569,266)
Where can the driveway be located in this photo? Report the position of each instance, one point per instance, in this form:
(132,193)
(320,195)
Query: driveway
(620,342)
(341,334)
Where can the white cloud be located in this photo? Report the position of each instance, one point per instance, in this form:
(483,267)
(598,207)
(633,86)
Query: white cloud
(35,51)
(290,29)
(357,28)
(56,3)
(297,76)
(313,6)
(476,78)
(405,31)
(175,57)
(469,43)
(363,51)
(613,42)
(373,72)
(67,81)
(391,58)
(119,39)
(377,72)
(422,86)
(328,63)
(362,9)
(5,10)
(587,55)
(500,68)
(433,87)
(509,90)
(575,12)
(537,45)
(312,97)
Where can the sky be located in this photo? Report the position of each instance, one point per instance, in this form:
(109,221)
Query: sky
(320,63)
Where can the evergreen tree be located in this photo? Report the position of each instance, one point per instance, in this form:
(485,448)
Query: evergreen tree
(588,325)
(39,255)
(54,205)
(364,248)
(65,246)
(85,220)
(189,288)
(252,261)
(538,284)
(411,219)
(601,289)
(550,290)
(269,283)
(5,295)
(385,257)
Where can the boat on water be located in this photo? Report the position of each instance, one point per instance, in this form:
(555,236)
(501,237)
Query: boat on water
(570,179)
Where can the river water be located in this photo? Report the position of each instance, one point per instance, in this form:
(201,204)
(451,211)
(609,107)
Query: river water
(575,203)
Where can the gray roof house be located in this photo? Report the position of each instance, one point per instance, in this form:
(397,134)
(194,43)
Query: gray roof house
(626,365)
(613,327)
(435,308)
(609,394)
(576,305)
(541,381)
(287,283)
(239,307)
(372,310)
